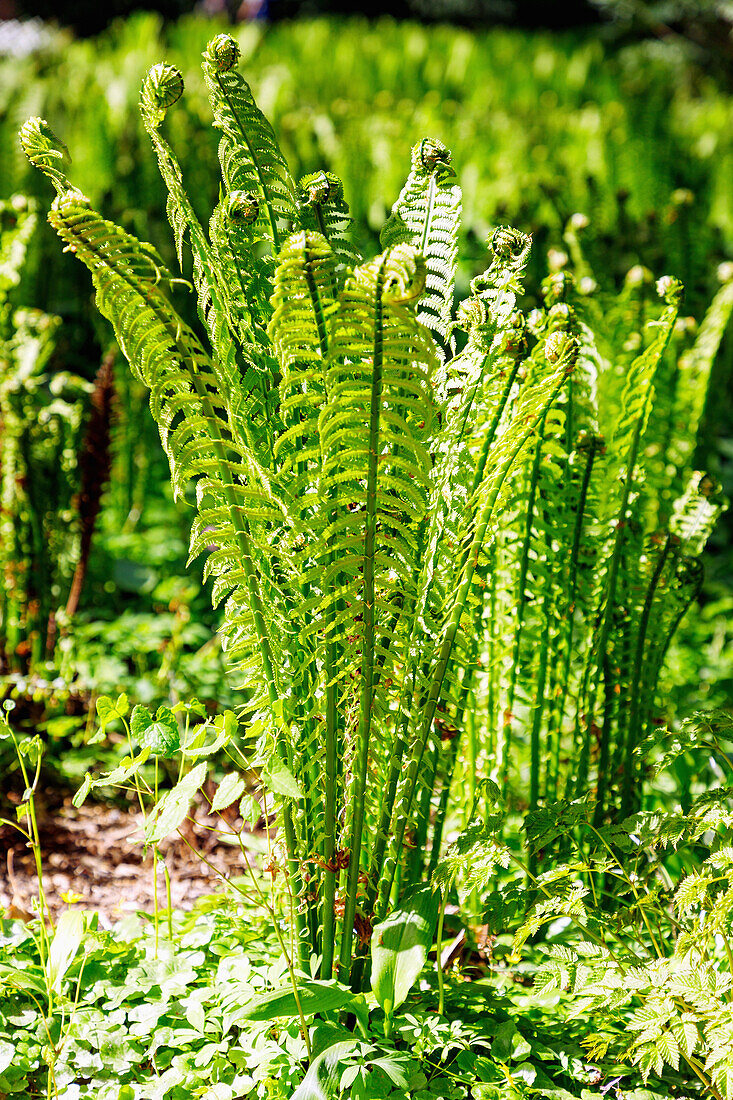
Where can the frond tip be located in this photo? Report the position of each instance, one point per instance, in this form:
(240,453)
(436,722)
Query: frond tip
(427,216)
(45,151)
(222,53)
(162,87)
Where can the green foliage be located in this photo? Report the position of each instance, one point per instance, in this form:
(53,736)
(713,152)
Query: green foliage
(42,415)
(400,946)
(398,532)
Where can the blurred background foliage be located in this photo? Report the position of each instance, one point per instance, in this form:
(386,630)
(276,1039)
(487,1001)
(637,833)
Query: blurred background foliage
(624,115)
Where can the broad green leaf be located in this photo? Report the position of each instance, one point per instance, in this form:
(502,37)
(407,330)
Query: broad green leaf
(314,996)
(395,1070)
(174,805)
(321,1082)
(64,946)
(250,809)
(139,721)
(161,733)
(279,779)
(27,978)
(228,791)
(400,945)
(106,710)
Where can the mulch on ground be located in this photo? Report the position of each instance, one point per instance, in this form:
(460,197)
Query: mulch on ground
(96,851)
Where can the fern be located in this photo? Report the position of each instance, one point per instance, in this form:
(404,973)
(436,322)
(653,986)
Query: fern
(427,215)
(400,508)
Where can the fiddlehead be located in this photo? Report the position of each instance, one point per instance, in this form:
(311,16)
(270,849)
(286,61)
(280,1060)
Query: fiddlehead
(321,207)
(251,160)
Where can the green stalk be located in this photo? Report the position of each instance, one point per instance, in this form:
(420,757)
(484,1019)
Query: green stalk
(367,644)
(467,571)
(634,727)
(490,435)
(534,773)
(521,605)
(423,819)
(452,760)
(329,829)
(570,613)
(439,946)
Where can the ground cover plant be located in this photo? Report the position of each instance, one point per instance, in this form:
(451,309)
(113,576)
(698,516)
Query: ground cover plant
(634,1006)
(452,546)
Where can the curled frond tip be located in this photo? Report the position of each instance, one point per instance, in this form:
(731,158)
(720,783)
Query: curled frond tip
(222,53)
(162,86)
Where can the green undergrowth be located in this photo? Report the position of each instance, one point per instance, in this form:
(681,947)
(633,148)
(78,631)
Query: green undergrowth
(133,1022)
(605,972)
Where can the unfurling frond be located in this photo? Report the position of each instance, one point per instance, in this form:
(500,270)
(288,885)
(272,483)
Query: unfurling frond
(251,160)
(321,207)
(427,215)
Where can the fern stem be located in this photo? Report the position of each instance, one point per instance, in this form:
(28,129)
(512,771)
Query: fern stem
(329,829)
(490,435)
(534,772)
(634,730)
(521,606)
(367,644)
(452,757)
(468,568)
(574,553)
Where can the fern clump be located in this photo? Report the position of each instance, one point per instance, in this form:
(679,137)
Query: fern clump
(423,522)
(46,494)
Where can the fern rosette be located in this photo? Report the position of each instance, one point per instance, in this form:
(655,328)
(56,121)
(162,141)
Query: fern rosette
(430,561)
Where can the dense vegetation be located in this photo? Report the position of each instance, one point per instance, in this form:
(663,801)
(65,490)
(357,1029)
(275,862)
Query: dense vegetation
(453,508)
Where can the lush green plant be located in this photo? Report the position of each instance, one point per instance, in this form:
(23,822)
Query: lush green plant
(195,1004)
(659,966)
(53,463)
(640,144)
(405,513)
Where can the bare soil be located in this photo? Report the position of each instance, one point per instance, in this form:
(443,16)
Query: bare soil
(96,851)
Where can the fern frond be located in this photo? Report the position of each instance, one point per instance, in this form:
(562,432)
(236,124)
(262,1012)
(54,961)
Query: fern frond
(373,429)
(427,216)
(321,208)
(251,160)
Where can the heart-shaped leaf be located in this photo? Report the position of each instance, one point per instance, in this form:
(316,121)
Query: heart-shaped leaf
(160,734)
